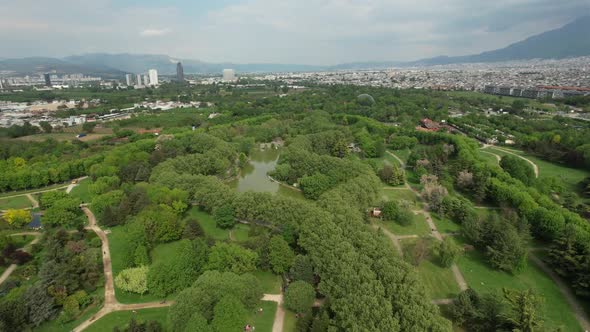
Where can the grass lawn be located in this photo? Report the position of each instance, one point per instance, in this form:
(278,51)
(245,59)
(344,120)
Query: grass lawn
(263,322)
(122,318)
(163,251)
(117,240)
(18,202)
(439,281)
(488,158)
(445,225)
(270,282)
(81,191)
(208,224)
(240,232)
(55,326)
(419,227)
(400,194)
(481,277)
(12,193)
(402,154)
(289,322)
(570,176)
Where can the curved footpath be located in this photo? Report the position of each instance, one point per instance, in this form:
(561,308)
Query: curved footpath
(535,167)
(26,248)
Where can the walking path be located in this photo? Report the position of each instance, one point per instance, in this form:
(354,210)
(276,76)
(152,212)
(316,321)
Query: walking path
(110,301)
(498,158)
(26,248)
(44,190)
(277,326)
(33,201)
(535,167)
(393,237)
(401,162)
(570,298)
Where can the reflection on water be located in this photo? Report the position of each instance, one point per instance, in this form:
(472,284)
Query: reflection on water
(254,175)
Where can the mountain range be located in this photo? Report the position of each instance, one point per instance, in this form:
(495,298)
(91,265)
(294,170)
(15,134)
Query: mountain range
(570,40)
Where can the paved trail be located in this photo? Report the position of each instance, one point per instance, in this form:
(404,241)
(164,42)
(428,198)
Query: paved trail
(277,326)
(569,296)
(535,167)
(26,248)
(33,201)
(110,301)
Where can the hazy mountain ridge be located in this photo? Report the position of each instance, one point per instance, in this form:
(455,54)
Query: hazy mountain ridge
(570,40)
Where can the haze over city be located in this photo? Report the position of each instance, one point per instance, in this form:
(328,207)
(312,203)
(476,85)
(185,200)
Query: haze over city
(304,32)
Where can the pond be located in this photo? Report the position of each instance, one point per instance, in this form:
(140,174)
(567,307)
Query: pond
(254,175)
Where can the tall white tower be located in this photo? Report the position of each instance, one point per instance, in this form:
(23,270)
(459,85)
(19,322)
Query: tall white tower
(153,76)
(138,79)
(128,79)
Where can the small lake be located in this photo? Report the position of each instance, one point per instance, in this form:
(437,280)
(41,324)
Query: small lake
(254,175)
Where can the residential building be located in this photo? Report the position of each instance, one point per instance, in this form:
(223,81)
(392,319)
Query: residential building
(153,75)
(138,79)
(47,78)
(128,79)
(146,80)
(229,75)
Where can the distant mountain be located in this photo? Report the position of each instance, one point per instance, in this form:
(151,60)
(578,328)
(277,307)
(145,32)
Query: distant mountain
(39,65)
(571,40)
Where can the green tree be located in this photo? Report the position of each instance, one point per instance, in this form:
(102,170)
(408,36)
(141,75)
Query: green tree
(231,257)
(280,254)
(133,280)
(302,269)
(229,314)
(88,126)
(46,126)
(17,217)
(224,217)
(524,309)
(299,296)
(197,323)
(448,251)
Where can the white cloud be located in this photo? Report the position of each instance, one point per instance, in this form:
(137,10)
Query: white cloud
(154,32)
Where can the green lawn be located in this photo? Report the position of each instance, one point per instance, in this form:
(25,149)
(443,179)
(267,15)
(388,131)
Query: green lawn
(117,241)
(420,227)
(164,251)
(270,282)
(240,232)
(22,240)
(387,159)
(570,176)
(208,224)
(399,195)
(81,191)
(289,322)
(263,322)
(18,202)
(488,158)
(53,186)
(445,225)
(439,281)
(402,154)
(122,318)
(481,277)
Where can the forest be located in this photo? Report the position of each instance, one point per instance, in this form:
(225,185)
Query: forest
(387,227)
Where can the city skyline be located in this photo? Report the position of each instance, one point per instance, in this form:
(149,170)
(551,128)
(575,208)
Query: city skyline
(306,32)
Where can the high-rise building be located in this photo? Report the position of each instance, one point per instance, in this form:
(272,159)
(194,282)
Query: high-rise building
(138,79)
(47,79)
(146,80)
(1,86)
(229,75)
(153,76)
(129,79)
(179,72)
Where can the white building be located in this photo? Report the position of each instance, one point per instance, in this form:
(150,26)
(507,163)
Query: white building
(153,76)
(138,79)
(229,75)
(146,80)
(128,79)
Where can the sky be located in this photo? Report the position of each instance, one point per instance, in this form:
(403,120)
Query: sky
(319,32)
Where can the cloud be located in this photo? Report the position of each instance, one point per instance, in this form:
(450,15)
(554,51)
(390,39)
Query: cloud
(154,32)
(280,31)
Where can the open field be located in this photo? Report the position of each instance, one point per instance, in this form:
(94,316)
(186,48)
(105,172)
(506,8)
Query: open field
(290,321)
(18,202)
(117,241)
(208,224)
(402,154)
(481,277)
(401,195)
(445,225)
(263,322)
(122,318)
(21,192)
(81,191)
(270,282)
(439,281)
(419,227)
